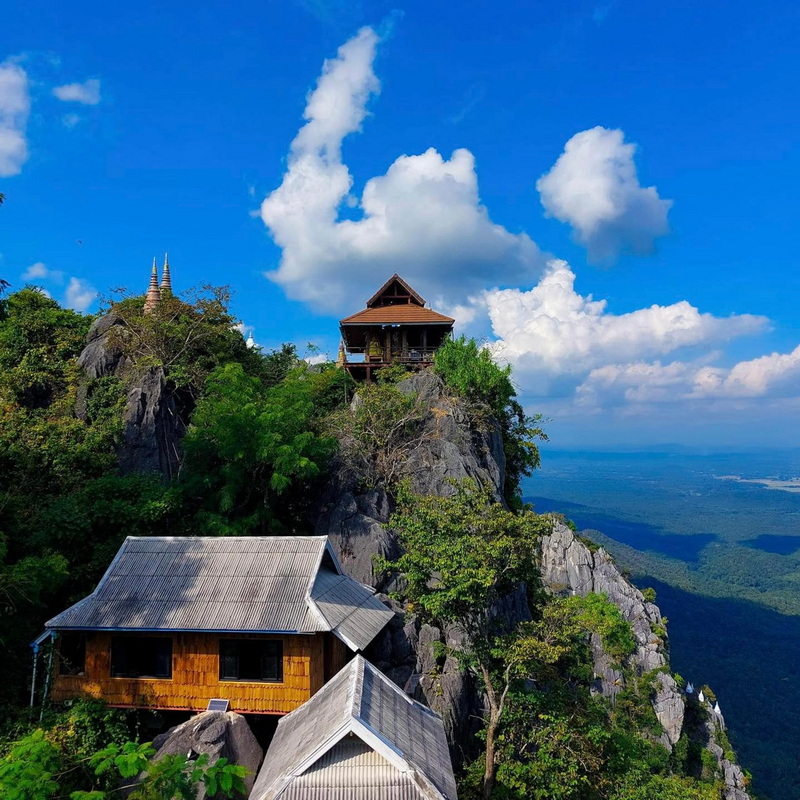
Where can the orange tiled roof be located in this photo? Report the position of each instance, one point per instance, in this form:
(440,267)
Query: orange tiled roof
(387,315)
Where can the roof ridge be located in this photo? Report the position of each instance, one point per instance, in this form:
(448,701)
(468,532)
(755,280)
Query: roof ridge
(226,538)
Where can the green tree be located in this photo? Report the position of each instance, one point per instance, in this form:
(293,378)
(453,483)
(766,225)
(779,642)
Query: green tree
(462,555)
(248,445)
(187,336)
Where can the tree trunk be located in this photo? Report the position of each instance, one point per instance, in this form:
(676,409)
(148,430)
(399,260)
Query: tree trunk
(491,730)
(488,775)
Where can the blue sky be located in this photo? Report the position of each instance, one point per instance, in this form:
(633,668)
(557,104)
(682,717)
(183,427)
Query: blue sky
(128,131)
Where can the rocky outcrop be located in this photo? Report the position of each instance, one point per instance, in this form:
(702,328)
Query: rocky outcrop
(220,735)
(450,448)
(153,424)
(356,522)
(571,566)
(101,356)
(447,449)
(153,428)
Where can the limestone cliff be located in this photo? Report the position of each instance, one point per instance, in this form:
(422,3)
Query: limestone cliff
(571,566)
(449,447)
(153,421)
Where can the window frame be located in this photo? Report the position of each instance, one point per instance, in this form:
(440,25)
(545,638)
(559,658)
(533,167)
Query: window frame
(134,641)
(66,636)
(251,643)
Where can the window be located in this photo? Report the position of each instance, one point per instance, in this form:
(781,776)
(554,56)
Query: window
(71,654)
(141,657)
(250,660)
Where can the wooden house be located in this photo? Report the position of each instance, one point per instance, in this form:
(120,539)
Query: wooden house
(360,738)
(394,328)
(261,622)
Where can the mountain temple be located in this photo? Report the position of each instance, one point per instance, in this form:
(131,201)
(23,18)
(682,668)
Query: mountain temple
(396,327)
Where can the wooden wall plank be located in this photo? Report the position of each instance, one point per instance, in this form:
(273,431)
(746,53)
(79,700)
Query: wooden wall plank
(195,677)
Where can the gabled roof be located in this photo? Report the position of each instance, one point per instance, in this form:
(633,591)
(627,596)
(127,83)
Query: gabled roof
(248,584)
(374,300)
(360,737)
(406,313)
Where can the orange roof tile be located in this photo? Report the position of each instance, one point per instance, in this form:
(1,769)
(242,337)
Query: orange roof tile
(388,315)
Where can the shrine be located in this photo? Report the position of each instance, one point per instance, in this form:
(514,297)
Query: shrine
(396,327)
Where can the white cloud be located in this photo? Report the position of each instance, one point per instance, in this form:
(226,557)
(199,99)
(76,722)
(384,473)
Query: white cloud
(423,218)
(15,106)
(774,374)
(768,377)
(594,187)
(552,333)
(87,93)
(70,120)
(39,271)
(80,294)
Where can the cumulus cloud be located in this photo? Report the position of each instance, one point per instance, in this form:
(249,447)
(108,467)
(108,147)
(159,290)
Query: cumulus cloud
(554,332)
(423,218)
(80,294)
(39,271)
(774,374)
(15,106)
(768,377)
(594,188)
(87,93)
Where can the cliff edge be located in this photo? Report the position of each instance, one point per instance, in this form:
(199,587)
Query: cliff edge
(450,447)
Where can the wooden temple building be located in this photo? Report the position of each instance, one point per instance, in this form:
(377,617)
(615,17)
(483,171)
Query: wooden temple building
(396,327)
(259,622)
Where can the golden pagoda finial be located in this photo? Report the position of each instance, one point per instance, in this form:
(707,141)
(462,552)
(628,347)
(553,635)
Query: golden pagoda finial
(341,359)
(166,280)
(153,296)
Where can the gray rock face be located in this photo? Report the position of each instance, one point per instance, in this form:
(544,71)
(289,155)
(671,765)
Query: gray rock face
(220,735)
(735,786)
(450,450)
(568,566)
(100,357)
(355,524)
(670,709)
(153,426)
(734,782)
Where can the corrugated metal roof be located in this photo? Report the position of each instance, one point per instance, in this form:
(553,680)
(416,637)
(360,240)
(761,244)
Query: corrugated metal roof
(407,738)
(406,313)
(351,609)
(248,584)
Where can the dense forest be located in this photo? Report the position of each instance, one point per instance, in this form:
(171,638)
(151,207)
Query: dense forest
(262,432)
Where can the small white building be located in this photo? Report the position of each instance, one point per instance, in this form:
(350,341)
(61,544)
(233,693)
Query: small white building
(359,738)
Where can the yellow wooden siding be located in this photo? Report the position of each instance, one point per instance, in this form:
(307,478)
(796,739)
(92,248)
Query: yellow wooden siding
(195,677)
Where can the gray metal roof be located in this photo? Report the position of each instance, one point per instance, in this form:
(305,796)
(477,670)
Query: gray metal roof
(412,760)
(258,584)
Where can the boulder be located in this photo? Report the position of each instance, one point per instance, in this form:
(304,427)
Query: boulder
(220,735)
